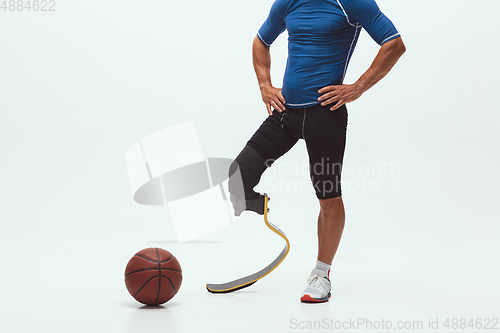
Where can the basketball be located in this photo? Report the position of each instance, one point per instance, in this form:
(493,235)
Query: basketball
(153,276)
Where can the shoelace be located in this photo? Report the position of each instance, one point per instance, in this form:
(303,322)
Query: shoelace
(315,278)
(312,278)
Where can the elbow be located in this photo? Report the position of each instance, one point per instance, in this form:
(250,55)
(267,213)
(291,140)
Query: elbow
(258,48)
(401,48)
(395,46)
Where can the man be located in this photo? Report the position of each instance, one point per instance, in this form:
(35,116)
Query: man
(311,106)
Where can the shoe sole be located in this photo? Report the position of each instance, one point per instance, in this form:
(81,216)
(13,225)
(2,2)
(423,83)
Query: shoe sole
(308,299)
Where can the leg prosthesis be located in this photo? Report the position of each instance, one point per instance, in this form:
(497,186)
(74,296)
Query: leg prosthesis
(244,174)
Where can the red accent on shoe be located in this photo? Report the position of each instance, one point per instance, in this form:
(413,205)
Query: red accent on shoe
(328,273)
(307,298)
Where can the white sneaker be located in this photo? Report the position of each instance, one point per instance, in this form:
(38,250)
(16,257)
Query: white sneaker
(318,287)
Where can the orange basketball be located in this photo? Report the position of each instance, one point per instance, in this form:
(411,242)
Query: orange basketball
(153,276)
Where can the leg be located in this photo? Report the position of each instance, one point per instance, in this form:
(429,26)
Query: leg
(269,142)
(331,222)
(244,174)
(330,227)
(325,136)
(326,145)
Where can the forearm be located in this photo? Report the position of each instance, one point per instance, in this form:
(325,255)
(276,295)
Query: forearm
(261,63)
(386,58)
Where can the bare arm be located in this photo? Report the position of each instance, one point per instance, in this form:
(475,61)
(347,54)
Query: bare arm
(386,58)
(271,96)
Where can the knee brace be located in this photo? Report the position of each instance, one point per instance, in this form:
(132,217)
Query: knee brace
(244,175)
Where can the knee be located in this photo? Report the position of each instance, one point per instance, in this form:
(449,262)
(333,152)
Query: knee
(329,206)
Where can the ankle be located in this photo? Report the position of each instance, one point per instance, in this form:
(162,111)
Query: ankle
(324,267)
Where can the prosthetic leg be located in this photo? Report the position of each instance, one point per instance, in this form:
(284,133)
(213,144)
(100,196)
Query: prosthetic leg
(244,175)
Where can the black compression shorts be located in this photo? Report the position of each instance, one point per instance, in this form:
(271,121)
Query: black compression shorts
(324,132)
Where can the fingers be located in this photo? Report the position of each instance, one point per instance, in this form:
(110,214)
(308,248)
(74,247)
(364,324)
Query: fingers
(341,94)
(326,89)
(275,105)
(338,105)
(327,95)
(281,98)
(330,100)
(269,109)
(273,98)
(281,106)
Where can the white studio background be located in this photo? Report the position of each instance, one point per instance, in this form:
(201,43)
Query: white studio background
(80,85)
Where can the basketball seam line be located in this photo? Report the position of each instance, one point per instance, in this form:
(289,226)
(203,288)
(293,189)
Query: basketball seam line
(171,255)
(144,285)
(166,277)
(159,273)
(155,261)
(151,269)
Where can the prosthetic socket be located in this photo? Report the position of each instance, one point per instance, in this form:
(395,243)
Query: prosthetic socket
(244,175)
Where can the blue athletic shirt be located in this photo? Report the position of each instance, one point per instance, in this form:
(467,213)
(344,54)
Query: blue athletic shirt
(322,36)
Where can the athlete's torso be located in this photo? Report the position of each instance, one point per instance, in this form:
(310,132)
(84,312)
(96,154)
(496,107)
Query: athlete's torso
(322,37)
(318,48)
